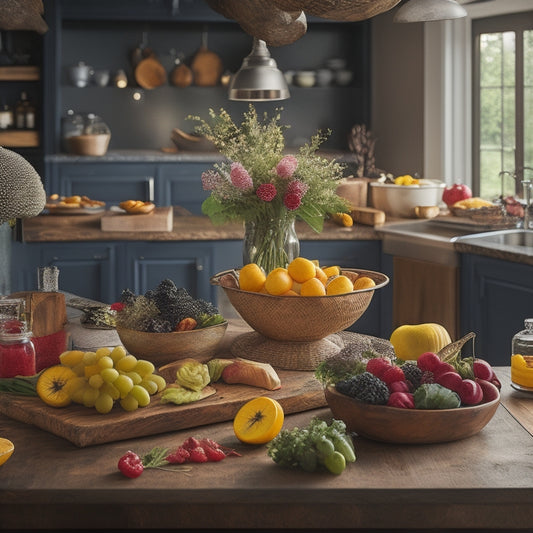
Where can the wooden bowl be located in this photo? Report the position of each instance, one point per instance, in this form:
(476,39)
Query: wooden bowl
(186,142)
(301,318)
(164,348)
(409,426)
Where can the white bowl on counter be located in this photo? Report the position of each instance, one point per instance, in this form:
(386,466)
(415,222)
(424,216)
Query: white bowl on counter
(401,200)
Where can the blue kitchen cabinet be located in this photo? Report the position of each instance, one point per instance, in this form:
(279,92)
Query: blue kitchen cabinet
(496,297)
(108,182)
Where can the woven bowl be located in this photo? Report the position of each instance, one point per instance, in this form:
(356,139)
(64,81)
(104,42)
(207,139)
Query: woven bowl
(300,318)
(163,348)
(409,426)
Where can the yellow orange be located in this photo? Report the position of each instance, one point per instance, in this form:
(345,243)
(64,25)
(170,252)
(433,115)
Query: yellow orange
(251,278)
(363,282)
(321,275)
(290,292)
(258,421)
(278,281)
(301,269)
(313,287)
(339,285)
(331,271)
(6,450)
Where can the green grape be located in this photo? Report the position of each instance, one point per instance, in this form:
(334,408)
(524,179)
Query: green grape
(141,395)
(124,384)
(126,363)
(89,396)
(149,385)
(109,388)
(105,362)
(129,403)
(79,369)
(89,358)
(117,353)
(144,367)
(102,352)
(104,403)
(136,378)
(109,375)
(77,389)
(158,380)
(96,381)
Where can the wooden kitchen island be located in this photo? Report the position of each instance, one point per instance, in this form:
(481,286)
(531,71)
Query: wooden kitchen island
(481,483)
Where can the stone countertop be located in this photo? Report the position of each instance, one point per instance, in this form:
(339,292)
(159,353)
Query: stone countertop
(56,228)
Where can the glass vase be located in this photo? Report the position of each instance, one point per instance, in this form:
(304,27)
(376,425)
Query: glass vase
(270,243)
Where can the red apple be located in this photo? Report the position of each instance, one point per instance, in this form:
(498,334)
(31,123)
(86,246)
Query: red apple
(455,193)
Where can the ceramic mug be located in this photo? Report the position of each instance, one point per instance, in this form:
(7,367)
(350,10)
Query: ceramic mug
(101,77)
(80,74)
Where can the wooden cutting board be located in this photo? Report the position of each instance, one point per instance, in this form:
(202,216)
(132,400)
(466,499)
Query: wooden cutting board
(83,426)
(160,219)
(368,216)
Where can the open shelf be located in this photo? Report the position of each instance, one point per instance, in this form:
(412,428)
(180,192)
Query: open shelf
(19,138)
(20,73)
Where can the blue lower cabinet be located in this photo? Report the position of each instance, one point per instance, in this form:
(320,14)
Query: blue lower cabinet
(86,270)
(496,297)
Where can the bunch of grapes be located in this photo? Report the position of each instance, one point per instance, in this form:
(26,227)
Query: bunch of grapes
(110,375)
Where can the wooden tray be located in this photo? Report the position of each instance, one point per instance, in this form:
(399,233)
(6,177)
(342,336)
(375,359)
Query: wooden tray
(83,426)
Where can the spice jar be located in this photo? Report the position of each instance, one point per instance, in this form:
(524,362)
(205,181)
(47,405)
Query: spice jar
(522,358)
(17,353)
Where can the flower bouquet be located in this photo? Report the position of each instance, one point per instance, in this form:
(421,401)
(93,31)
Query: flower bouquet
(266,188)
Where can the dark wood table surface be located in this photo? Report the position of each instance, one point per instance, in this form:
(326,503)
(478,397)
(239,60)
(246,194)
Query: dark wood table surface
(481,483)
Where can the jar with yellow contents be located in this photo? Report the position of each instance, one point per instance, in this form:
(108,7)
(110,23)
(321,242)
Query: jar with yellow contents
(522,358)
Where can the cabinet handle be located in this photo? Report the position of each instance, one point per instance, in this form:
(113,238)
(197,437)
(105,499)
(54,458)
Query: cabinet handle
(199,266)
(150,189)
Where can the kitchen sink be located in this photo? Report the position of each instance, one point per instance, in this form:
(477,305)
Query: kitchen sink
(511,240)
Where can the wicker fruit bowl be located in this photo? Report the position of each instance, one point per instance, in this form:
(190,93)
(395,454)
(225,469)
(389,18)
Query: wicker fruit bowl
(163,348)
(409,426)
(299,318)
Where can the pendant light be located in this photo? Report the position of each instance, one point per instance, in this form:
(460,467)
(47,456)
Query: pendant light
(428,10)
(259,78)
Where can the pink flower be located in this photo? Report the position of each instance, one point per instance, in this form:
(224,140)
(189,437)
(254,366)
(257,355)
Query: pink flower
(292,201)
(287,166)
(240,178)
(266,192)
(297,187)
(210,180)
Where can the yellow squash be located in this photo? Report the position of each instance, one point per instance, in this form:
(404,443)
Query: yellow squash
(522,370)
(411,341)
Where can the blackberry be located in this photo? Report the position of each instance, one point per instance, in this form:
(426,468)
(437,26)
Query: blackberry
(155,325)
(413,374)
(366,388)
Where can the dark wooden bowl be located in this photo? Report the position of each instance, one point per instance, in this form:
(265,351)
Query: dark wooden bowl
(409,426)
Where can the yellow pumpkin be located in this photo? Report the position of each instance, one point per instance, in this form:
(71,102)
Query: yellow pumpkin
(411,341)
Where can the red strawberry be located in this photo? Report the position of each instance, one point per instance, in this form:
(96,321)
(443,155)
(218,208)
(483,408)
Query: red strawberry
(191,443)
(198,455)
(450,380)
(392,374)
(214,454)
(428,361)
(443,368)
(180,456)
(399,386)
(377,366)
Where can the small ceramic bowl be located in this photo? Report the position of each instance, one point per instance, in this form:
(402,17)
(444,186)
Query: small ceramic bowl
(305,78)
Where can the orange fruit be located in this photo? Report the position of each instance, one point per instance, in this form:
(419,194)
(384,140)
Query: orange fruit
(331,271)
(301,269)
(363,282)
(290,292)
(251,278)
(258,421)
(313,287)
(52,385)
(6,450)
(339,285)
(321,275)
(278,281)
(296,287)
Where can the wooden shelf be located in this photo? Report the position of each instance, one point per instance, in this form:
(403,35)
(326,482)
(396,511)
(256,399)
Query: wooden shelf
(20,73)
(19,139)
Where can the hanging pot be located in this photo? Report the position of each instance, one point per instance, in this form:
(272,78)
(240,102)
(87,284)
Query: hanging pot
(181,75)
(206,66)
(150,73)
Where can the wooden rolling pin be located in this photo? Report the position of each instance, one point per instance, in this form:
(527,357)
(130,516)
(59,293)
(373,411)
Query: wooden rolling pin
(368,216)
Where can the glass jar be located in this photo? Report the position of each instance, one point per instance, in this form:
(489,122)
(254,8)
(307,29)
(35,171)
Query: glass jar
(17,353)
(522,358)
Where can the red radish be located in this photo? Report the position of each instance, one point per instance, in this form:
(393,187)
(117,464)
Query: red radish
(450,380)
(428,361)
(470,392)
(455,193)
(482,369)
(399,386)
(490,391)
(443,368)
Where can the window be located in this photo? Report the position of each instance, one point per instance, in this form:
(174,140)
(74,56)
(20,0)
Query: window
(503,104)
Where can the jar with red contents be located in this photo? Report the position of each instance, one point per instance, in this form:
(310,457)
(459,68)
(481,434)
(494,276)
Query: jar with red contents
(17,353)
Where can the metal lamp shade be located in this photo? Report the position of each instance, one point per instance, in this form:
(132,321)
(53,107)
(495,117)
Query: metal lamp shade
(428,10)
(259,78)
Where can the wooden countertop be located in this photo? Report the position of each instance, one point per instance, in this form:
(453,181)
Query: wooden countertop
(55,228)
(483,482)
